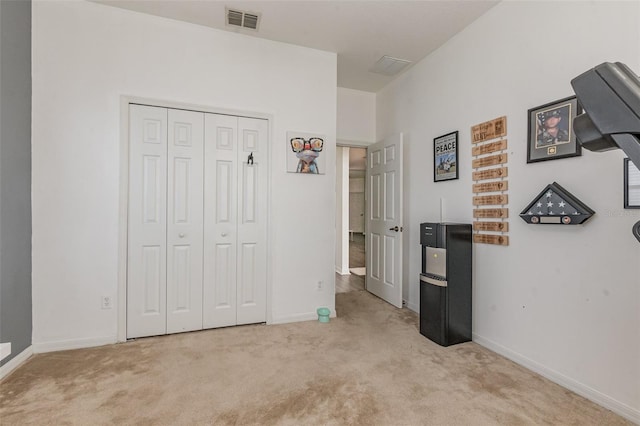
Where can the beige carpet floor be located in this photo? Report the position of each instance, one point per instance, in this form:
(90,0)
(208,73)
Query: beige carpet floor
(369,366)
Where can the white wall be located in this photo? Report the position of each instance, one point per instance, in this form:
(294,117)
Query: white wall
(356,117)
(563,300)
(85,56)
(356,126)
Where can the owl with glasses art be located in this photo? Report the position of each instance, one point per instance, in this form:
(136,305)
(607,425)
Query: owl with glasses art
(307,151)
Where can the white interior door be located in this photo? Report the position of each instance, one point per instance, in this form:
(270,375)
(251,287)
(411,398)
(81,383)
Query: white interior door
(220,223)
(235,268)
(197,230)
(147,233)
(384,219)
(252,220)
(184,220)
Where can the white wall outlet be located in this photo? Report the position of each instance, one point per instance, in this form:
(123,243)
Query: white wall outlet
(107,303)
(319,285)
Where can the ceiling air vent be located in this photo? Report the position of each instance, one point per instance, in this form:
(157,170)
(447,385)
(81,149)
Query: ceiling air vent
(389,66)
(238,18)
(250,21)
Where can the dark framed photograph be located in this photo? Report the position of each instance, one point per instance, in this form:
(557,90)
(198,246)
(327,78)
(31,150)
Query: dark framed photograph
(551,133)
(631,185)
(445,157)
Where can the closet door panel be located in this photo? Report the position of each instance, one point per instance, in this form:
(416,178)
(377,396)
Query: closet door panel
(252,226)
(220,221)
(147,248)
(185,220)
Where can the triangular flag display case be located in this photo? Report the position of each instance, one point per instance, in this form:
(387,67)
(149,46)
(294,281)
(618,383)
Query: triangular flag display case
(555,205)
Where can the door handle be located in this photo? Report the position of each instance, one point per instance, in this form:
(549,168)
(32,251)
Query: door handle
(224,234)
(396,228)
(181,235)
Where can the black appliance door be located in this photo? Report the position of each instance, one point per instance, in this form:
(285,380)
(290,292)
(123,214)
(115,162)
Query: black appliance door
(433,312)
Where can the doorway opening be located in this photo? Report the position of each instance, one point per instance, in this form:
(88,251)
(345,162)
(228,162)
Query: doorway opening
(383,225)
(350,232)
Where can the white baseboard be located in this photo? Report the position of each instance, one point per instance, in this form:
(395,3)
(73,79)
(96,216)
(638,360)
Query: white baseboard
(343,271)
(15,362)
(63,345)
(581,389)
(308,316)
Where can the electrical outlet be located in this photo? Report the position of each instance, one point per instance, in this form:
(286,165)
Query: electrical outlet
(319,286)
(106,302)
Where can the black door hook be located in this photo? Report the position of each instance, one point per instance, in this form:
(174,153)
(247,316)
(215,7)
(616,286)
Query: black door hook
(250,159)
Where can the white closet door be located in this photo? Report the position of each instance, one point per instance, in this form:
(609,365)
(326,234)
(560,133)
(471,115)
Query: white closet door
(147,248)
(252,221)
(220,221)
(184,220)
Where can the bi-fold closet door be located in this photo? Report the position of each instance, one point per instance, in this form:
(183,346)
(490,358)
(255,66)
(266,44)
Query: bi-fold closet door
(197,221)
(235,210)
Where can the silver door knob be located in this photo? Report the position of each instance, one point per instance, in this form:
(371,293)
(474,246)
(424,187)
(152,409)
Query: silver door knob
(224,234)
(181,235)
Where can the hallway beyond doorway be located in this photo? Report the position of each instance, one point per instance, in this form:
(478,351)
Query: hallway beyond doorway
(356,251)
(353,282)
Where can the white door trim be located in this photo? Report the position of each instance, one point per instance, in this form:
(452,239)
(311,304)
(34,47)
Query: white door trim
(342,199)
(342,235)
(124,193)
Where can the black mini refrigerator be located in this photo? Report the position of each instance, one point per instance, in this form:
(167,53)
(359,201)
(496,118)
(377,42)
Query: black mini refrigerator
(445,282)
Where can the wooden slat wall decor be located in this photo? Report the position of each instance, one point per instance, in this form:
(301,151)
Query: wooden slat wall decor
(491,226)
(489,130)
(491,213)
(502,172)
(482,136)
(501,240)
(491,200)
(488,148)
(489,161)
(501,185)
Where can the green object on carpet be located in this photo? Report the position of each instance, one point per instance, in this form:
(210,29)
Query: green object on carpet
(323,314)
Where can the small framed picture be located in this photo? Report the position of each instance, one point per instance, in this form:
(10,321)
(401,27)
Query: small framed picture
(445,157)
(304,153)
(551,133)
(631,185)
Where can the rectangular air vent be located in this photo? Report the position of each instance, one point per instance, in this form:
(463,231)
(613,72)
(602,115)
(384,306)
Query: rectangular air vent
(388,65)
(234,17)
(250,21)
(239,18)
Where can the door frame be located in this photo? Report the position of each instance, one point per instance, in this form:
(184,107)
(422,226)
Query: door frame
(339,235)
(123,215)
